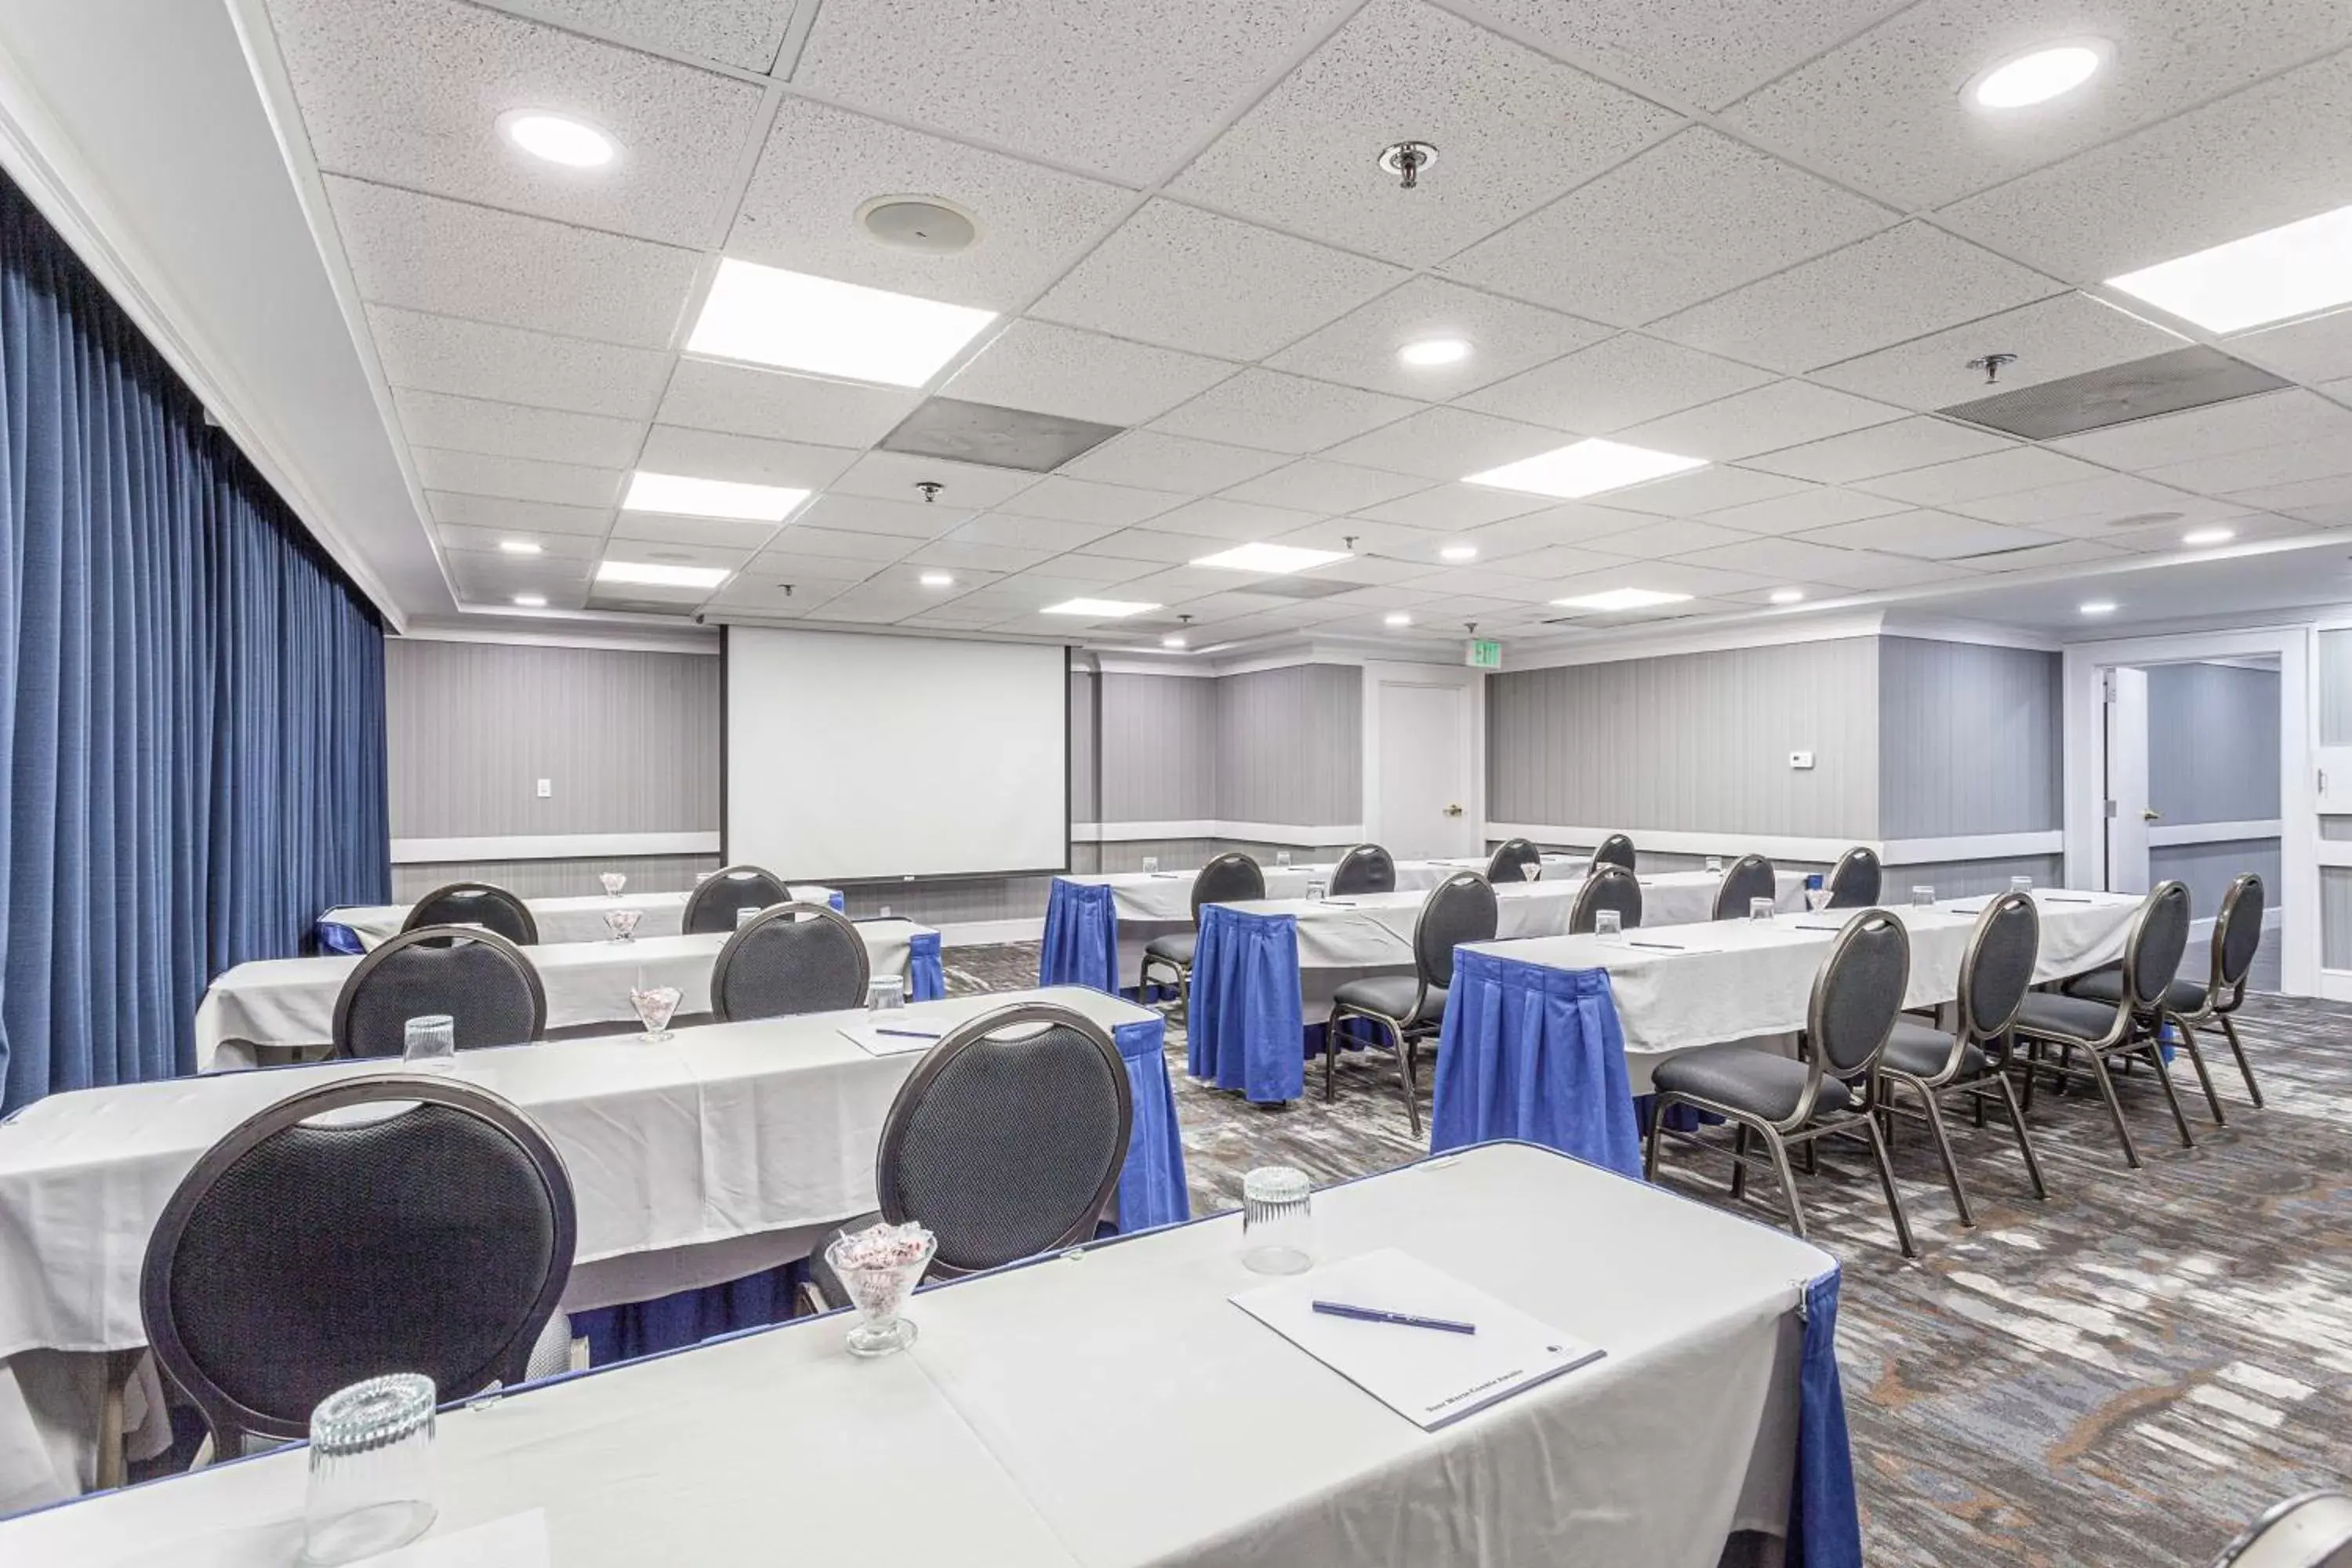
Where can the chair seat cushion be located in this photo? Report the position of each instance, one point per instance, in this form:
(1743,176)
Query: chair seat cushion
(2106,985)
(2052,1015)
(1176,947)
(1922,1049)
(1762,1083)
(1391,995)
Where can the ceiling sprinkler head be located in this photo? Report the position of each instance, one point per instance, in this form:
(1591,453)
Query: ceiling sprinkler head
(1991,365)
(930,489)
(1407,161)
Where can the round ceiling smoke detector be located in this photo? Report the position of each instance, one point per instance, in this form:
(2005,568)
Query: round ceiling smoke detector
(923,224)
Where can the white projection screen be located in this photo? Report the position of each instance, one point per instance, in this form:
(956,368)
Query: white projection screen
(851,757)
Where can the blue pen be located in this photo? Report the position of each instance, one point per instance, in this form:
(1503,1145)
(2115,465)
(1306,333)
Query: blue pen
(910,1034)
(1402,1319)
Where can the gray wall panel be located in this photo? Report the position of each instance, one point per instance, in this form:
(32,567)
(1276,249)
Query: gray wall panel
(1970,739)
(2209,868)
(2336,917)
(2334,676)
(1290,745)
(1966,879)
(2213,742)
(1158,749)
(1086,798)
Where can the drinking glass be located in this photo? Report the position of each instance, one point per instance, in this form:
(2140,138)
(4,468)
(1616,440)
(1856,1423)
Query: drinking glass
(1760,910)
(1530,869)
(370,1486)
(1608,926)
(885,992)
(1922,896)
(431,1042)
(614,883)
(1817,898)
(1715,865)
(743,915)
(1278,1221)
(878,1267)
(1151,865)
(1315,891)
(655,1006)
(2021,884)
(1282,859)
(622,924)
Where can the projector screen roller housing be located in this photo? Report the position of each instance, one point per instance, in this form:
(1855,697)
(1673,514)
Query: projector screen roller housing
(853,757)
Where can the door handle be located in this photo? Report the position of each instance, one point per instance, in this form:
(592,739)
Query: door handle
(2149,814)
(1455,810)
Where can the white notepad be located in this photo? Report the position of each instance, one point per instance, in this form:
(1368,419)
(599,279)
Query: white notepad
(869,1038)
(1430,1377)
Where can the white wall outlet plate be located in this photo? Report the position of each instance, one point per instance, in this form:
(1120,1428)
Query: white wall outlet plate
(1801,758)
(546,788)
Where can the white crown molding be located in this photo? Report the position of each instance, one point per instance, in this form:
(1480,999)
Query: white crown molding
(694,641)
(1945,629)
(1696,639)
(551,847)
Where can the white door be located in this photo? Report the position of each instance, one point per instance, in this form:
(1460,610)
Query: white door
(2128,813)
(1424,804)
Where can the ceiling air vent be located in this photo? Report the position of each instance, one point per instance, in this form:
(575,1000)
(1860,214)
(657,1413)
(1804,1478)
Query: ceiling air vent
(2164,383)
(1001,437)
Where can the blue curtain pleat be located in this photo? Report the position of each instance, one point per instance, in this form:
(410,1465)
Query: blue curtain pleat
(191,696)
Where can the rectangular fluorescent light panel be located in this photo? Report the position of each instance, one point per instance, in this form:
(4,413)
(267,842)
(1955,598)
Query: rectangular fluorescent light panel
(683,496)
(654,575)
(1098,609)
(769,316)
(1272,558)
(1622,599)
(2280,272)
(1584,469)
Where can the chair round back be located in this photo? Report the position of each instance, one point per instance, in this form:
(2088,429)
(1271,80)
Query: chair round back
(1751,876)
(1509,862)
(2237,934)
(1366,869)
(1231,878)
(790,959)
(1614,851)
(1854,880)
(1460,908)
(482,904)
(1009,1137)
(1609,888)
(483,981)
(2313,1530)
(711,906)
(1858,992)
(1996,970)
(300,1256)
(2153,947)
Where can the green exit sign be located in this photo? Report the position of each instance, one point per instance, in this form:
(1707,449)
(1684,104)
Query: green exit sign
(1485,653)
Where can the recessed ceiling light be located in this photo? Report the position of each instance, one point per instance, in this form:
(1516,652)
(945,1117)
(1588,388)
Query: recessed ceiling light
(1396,618)
(1584,469)
(2037,77)
(769,316)
(1622,599)
(1458,553)
(2291,271)
(653,574)
(1431,352)
(939,580)
(1788,595)
(2097,607)
(2209,536)
(1098,609)
(683,495)
(1171,642)
(532,601)
(558,139)
(1270,558)
(520,546)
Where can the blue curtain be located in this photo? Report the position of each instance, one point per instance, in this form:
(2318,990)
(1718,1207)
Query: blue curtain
(191,696)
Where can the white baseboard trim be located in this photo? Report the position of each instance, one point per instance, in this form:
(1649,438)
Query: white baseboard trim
(982,934)
(1205,827)
(551,847)
(2166,835)
(1785,846)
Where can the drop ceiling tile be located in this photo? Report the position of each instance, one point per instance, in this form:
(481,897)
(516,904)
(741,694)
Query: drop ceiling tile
(1311,484)
(2052,339)
(552,547)
(1171,275)
(409,92)
(810,540)
(1708,52)
(1873,572)
(1992,474)
(526,516)
(1548,528)
(1814,507)
(1505,336)
(742,459)
(1655,537)
(959,552)
(745,33)
(2303,498)
(2239,426)
(1618,382)
(670,551)
(1125,94)
(1789,560)
(1454,507)
(1507,588)
(1028,532)
(1445,444)
(2313,352)
(2091,508)
(1554,563)
(719,533)
(1666,576)
(2042,557)
(1366,540)
(742,400)
(1911,280)
(1050,369)
(2257,159)
(475,358)
(2164,538)
(1277,412)
(2235,473)
(1101,571)
(1702,490)
(459,260)
(906,520)
(1885,111)
(1681,223)
(516,478)
(1149,460)
(511,430)
(1149,545)
(1928,536)
(1782,414)
(489,575)
(893,476)
(1531,128)
(1216,517)
(1882,449)
(1084,501)
(821,166)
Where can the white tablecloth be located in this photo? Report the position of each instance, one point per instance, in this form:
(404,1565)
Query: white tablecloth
(290,1002)
(1163,899)
(1115,1408)
(573,918)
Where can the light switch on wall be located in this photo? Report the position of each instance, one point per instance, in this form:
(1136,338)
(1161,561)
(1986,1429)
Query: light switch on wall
(546,788)
(1796,759)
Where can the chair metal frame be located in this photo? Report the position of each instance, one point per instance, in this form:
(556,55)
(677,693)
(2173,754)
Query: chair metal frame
(707,891)
(432,936)
(1731,875)
(1587,904)
(1182,972)
(1404,1036)
(506,897)
(1522,851)
(1617,849)
(2225,992)
(1801,1127)
(1861,854)
(730,954)
(1373,855)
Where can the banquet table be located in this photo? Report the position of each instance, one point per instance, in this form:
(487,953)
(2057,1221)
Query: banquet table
(1551,1040)
(720,1151)
(288,1004)
(359,928)
(1015,1430)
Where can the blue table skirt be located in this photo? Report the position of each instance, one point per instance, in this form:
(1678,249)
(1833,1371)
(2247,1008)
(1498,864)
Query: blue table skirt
(1243,1024)
(1538,1054)
(927,977)
(1081,936)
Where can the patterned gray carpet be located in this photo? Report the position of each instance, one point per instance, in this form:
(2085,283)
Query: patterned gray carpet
(2122,1376)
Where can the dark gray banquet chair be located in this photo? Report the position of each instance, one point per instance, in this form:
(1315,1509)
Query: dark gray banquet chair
(1614,851)
(1233,878)
(476,903)
(2237,934)
(1751,877)
(1853,882)
(1409,1008)
(1996,969)
(2313,1530)
(711,906)
(1366,869)
(484,982)
(1005,1141)
(789,959)
(2126,1028)
(1609,888)
(1857,997)
(300,1257)
(1510,860)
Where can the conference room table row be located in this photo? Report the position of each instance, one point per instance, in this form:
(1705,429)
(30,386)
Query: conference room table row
(720,1153)
(579,917)
(271,1008)
(1112,1405)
